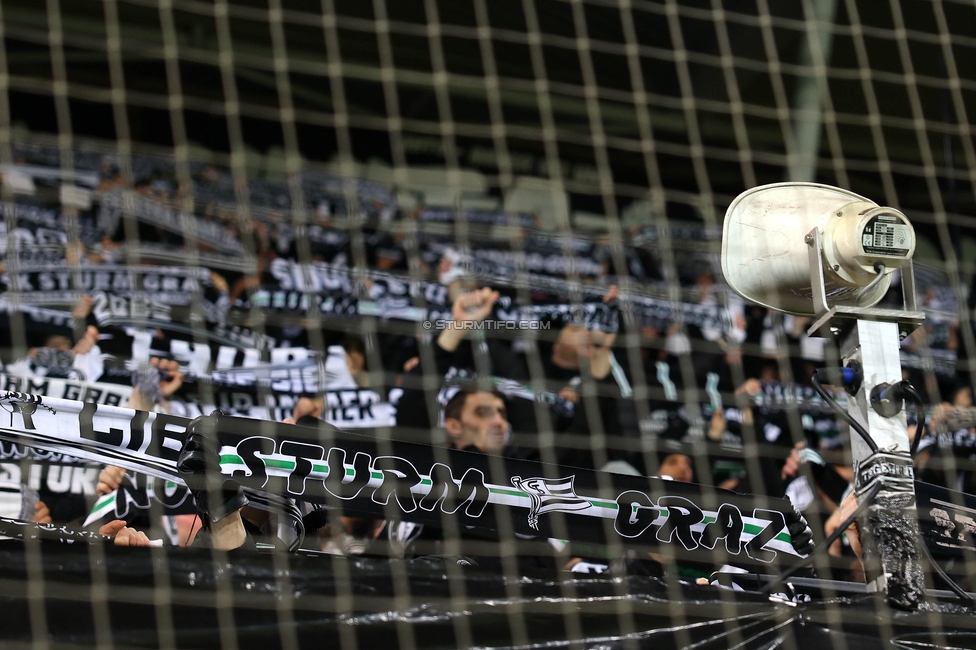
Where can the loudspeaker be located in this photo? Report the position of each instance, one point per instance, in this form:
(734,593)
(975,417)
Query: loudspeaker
(766,243)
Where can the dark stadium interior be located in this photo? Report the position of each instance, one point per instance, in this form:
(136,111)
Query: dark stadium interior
(760,71)
(412,323)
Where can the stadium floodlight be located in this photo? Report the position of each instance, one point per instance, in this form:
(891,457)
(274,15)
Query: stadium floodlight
(822,251)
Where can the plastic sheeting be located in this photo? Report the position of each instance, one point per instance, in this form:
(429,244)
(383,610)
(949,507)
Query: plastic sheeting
(190,598)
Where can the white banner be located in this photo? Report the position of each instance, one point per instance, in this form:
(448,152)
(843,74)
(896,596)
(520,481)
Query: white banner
(346,409)
(95,392)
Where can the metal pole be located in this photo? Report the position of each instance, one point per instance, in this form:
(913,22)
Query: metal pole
(889,527)
(807,107)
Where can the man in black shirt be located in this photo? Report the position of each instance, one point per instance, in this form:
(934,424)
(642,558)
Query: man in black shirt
(457,357)
(477,420)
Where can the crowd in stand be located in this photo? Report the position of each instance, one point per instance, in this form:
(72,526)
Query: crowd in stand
(730,407)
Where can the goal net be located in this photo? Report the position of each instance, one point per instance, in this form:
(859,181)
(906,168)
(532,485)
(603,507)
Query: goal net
(436,288)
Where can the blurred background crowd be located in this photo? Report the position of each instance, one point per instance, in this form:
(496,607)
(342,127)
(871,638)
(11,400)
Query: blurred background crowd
(485,329)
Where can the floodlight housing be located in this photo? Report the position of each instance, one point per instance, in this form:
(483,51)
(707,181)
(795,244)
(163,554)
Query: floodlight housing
(767,237)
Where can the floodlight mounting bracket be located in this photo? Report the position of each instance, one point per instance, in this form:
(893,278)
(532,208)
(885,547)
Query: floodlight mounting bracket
(836,321)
